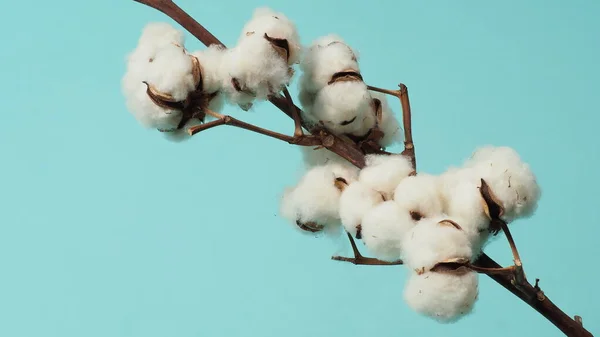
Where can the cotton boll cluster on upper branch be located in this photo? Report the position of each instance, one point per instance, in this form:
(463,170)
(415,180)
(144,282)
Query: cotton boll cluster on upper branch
(436,224)
(169,89)
(334,96)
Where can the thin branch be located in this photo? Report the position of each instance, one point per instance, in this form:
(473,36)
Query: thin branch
(228,120)
(295,114)
(402,95)
(358,259)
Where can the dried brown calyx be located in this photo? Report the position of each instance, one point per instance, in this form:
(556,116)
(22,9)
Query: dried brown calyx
(454,266)
(340,183)
(492,207)
(281,46)
(310,226)
(347,75)
(195,104)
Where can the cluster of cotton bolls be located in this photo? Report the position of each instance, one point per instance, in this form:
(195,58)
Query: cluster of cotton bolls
(169,89)
(334,95)
(437,224)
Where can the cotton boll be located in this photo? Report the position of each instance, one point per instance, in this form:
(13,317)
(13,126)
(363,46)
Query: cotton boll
(435,240)
(442,296)
(275,25)
(258,69)
(420,194)
(356,200)
(345,108)
(384,172)
(383,228)
(315,199)
(210,59)
(462,200)
(389,122)
(323,59)
(170,72)
(510,179)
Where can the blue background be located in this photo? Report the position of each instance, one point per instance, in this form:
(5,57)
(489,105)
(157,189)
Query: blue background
(108,230)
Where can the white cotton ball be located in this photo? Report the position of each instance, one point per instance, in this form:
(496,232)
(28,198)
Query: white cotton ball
(442,296)
(325,57)
(462,200)
(383,228)
(510,179)
(420,194)
(275,25)
(210,59)
(159,34)
(435,240)
(315,199)
(384,172)
(321,156)
(356,200)
(169,71)
(389,122)
(257,67)
(344,108)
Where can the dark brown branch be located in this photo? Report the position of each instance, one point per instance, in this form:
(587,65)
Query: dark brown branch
(358,259)
(402,95)
(295,114)
(228,120)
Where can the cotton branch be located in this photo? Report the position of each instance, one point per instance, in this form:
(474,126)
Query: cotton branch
(516,284)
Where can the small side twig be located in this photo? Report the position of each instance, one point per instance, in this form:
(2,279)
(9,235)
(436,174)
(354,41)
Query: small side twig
(402,95)
(228,120)
(358,259)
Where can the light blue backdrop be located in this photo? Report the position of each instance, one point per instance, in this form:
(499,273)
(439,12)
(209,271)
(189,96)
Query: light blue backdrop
(107,230)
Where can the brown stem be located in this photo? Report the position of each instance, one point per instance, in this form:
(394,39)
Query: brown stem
(295,114)
(228,120)
(402,95)
(358,259)
(536,299)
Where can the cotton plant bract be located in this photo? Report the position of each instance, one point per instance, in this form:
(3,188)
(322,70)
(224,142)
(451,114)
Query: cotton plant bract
(435,225)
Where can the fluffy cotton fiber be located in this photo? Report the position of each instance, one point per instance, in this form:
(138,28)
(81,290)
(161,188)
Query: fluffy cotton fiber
(511,180)
(443,297)
(383,229)
(384,172)
(316,198)
(161,61)
(419,194)
(433,241)
(356,200)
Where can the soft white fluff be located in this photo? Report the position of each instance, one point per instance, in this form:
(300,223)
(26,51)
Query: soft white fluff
(511,180)
(316,198)
(210,60)
(275,25)
(313,157)
(420,194)
(443,297)
(356,200)
(163,63)
(389,121)
(258,68)
(344,108)
(462,200)
(384,172)
(432,241)
(325,57)
(384,228)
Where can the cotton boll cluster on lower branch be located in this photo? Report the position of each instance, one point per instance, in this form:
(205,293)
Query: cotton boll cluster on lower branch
(437,224)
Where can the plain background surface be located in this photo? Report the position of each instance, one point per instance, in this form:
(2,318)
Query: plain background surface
(108,230)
